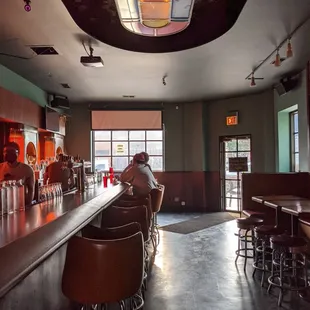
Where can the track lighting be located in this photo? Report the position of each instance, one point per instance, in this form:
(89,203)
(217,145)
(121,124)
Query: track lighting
(277,62)
(27,6)
(253,84)
(289,51)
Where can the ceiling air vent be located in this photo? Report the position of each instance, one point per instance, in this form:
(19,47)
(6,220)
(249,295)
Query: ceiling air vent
(44,50)
(128,96)
(65,85)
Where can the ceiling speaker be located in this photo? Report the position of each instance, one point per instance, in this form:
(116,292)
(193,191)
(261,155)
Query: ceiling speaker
(60,103)
(287,84)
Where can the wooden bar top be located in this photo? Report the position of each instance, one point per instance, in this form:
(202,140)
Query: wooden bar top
(28,238)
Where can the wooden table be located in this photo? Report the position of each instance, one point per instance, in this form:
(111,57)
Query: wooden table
(275,202)
(261,199)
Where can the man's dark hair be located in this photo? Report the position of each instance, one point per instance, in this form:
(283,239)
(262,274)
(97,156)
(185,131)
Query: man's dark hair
(12,145)
(146,156)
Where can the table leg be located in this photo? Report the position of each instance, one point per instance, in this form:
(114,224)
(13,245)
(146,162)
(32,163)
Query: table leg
(294,225)
(277,217)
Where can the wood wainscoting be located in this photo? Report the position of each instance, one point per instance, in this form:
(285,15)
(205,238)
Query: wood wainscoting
(200,190)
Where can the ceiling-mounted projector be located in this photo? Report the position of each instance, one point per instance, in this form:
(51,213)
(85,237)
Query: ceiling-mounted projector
(92,61)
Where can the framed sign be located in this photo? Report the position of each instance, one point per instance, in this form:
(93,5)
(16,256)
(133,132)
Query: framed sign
(238,164)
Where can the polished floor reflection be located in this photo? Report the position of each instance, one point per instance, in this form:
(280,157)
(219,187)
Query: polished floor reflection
(197,272)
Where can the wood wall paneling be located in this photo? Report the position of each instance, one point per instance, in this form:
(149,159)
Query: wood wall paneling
(256,184)
(20,110)
(198,189)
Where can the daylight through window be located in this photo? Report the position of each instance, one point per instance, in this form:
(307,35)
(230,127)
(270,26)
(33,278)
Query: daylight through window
(294,142)
(116,148)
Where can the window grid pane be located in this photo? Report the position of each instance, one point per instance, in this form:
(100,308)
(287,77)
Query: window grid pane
(117,148)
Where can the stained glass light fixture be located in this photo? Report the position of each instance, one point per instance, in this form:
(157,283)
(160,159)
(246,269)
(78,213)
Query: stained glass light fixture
(155,18)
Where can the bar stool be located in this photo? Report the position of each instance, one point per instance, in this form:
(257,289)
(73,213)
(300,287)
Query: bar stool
(135,201)
(263,252)
(100,272)
(117,216)
(112,233)
(157,195)
(289,265)
(247,225)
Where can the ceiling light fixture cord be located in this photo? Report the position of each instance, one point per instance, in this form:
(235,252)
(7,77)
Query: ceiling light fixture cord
(279,46)
(85,49)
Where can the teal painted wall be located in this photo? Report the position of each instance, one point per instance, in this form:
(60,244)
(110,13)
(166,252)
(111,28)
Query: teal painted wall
(18,85)
(256,117)
(294,100)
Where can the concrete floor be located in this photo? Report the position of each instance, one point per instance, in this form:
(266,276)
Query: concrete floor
(197,271)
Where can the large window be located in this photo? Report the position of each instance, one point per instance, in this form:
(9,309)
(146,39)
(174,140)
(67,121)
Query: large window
(116,148)
(294,141)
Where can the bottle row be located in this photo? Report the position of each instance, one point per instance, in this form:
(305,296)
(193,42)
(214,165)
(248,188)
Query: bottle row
(12,197)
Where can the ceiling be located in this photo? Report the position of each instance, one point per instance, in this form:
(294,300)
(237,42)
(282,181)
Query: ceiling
(214,70)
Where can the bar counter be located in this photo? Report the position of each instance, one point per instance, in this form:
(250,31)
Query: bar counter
(29,238)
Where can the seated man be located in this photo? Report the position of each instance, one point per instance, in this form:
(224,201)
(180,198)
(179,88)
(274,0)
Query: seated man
(57,173)
(147,158)
(12,169)
(139,176)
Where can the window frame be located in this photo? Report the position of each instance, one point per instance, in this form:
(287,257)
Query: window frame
(128,140)
(293,133)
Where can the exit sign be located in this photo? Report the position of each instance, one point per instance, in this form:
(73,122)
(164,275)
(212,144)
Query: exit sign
(232,120)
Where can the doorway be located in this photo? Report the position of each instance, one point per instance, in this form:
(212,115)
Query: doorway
(233,147)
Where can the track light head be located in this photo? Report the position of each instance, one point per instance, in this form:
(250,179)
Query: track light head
(277,62)
(253,84)
(289,51)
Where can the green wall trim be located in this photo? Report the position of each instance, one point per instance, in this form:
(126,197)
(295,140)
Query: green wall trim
(20,86)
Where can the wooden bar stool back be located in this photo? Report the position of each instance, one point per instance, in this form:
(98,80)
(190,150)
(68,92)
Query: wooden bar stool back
(99,272)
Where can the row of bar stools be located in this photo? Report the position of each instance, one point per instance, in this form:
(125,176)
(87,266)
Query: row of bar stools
(246,237)
(289,265)
(263,251)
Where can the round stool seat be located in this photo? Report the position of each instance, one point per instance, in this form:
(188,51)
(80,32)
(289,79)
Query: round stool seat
(248,223)
(290,243)
(267,231)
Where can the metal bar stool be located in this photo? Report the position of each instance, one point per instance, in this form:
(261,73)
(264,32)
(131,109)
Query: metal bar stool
(245,237)
(263,251)
(157,195)
(289,265)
